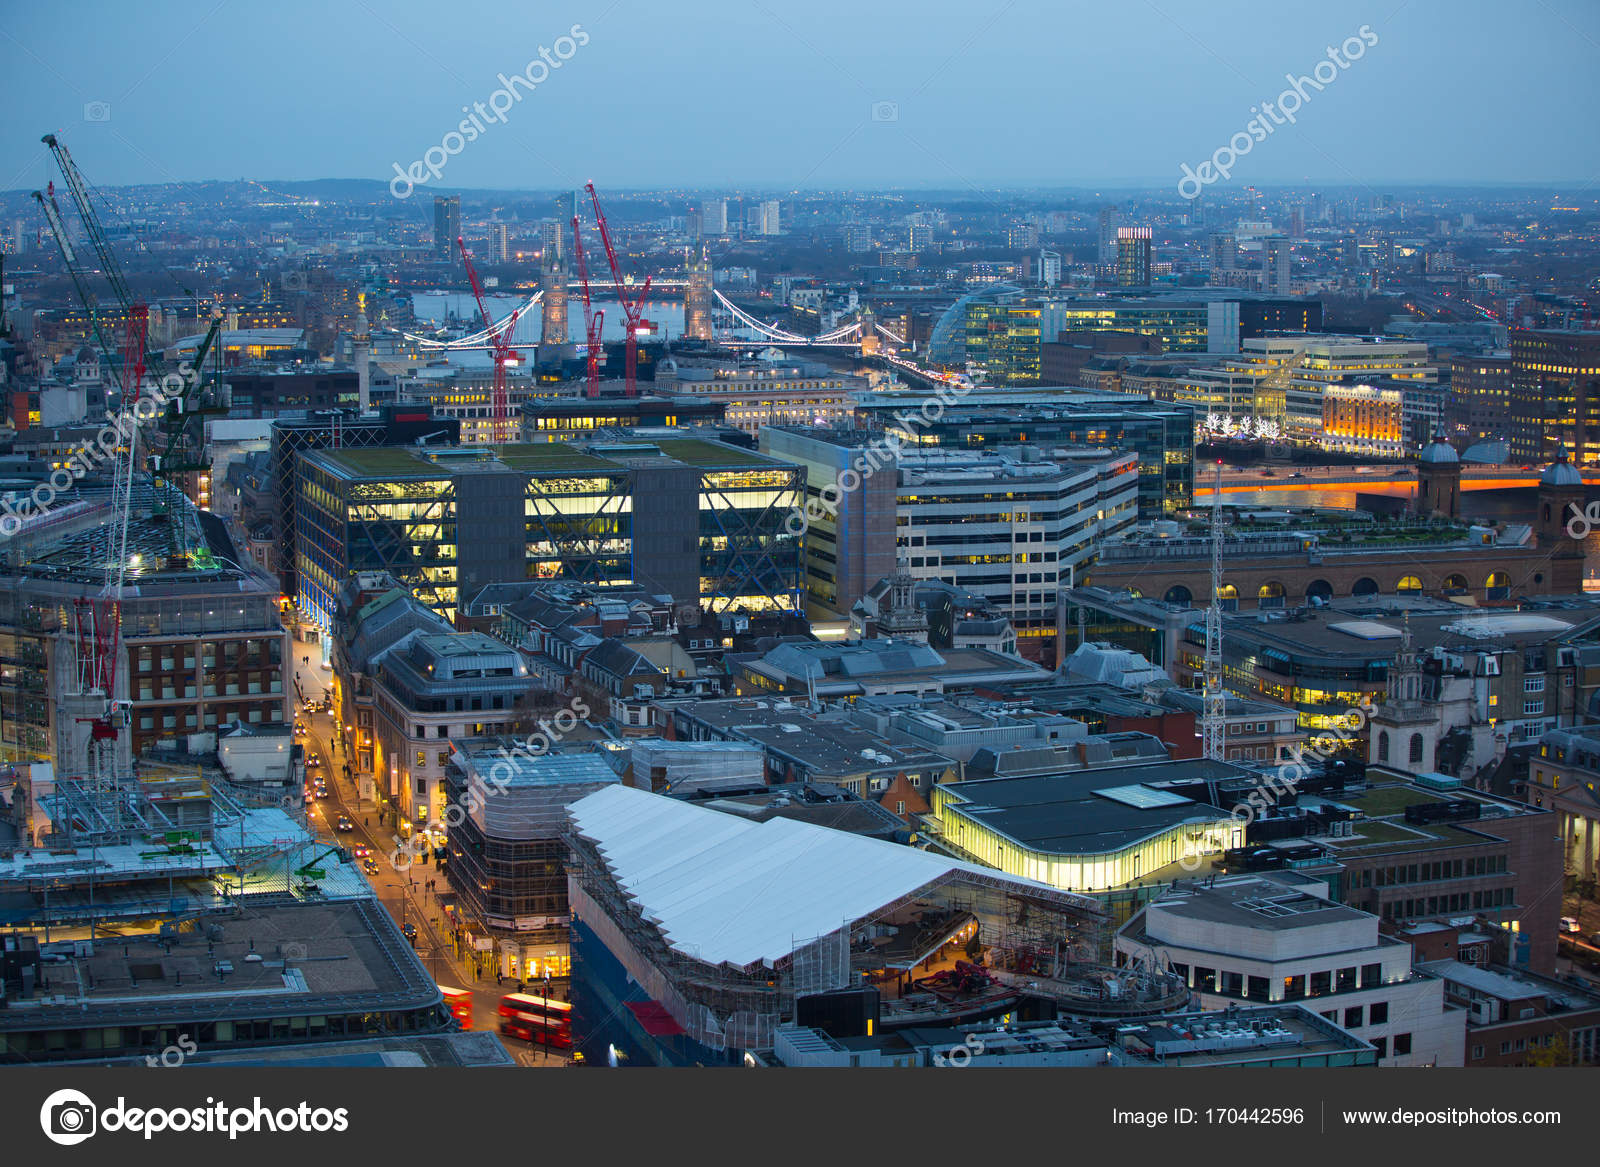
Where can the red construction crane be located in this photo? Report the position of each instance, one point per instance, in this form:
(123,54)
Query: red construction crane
(592,319)
(504,355)
(97,621)
(633,308)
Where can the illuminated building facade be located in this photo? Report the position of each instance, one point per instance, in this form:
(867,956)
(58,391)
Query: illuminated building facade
(759,393)
(697,520)
(1555,395)
(1363,420)
(1087,831)
(1004,341)
(1133,257)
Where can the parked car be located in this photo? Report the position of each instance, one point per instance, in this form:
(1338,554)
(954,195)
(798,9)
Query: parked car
(1568,924)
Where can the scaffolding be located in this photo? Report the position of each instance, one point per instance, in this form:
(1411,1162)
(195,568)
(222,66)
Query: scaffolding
(727,1007)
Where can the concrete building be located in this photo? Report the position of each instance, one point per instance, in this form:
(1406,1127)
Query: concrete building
(1555,395)
(1426,847)
(1502,669)
(1515,1018)
(430,690)
(800,747)
(1278,937)
(958,520)
(761,393)
(1321,560)
(857,668)
(202,642)
(1480,394)
(850,546)
(1562,777)
(1261,1037)
(1160,434)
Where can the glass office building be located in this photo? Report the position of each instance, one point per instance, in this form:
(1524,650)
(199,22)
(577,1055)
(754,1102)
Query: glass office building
(698,520)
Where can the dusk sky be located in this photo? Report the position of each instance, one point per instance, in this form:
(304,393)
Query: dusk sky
(760,94)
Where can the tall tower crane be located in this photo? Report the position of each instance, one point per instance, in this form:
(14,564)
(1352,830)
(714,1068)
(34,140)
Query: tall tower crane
(504,355)
(632,308)
(97,621)
(1214,707)
(181,451)
(593,318)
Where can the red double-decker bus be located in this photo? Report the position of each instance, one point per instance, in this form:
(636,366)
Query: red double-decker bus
(460,1003)
(536,1019)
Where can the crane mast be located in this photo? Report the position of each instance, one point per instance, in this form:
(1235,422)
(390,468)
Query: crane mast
(592,318)
(504,355)
(632,309)
(1214,710)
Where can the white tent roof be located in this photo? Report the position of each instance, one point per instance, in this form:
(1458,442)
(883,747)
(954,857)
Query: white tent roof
(723,889)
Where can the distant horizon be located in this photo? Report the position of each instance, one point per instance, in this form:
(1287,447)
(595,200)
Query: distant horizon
(1375,186)
(832,95)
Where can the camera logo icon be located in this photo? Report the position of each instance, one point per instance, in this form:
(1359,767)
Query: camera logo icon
(68,1117)
(97,111)
(885,111)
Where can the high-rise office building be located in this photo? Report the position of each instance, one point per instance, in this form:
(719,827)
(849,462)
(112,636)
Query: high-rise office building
(1297,222)
(769,217)
(1108,234)
(1555,394)
(499,243)
(446,224)
(714,217)
(1024,236)
(552,239)
(1275,265)
(1133,257)
(1049,268)
(1224,251)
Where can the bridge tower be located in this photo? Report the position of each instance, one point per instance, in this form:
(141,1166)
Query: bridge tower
(553,344)
(697,299)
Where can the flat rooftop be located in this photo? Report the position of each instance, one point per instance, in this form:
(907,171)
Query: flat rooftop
(1383,829)
(1255,903)
(1087,811)
(1374,629)
(536,458)
(309,958)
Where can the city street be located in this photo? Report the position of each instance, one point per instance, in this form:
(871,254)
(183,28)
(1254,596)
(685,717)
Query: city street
(404,893)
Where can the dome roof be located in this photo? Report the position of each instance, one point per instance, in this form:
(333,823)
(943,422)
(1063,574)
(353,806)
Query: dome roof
(1562,473)
(1439,452)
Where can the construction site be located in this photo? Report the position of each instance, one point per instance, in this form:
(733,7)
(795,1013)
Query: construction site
(697,934)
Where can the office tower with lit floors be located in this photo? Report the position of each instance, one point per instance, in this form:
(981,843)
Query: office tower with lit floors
(1133,257)
(446,224)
